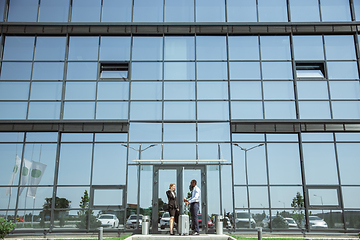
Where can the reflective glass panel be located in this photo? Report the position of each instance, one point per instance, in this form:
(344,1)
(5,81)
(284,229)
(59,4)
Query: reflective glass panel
(77,137)
(179,71)
(113,91)
(15,71)
(314,110)
(357,10)
(146,111)
(350,197)
(272,11)
(179,11)
(246,110)
(41,137)
(256,137)
(210,10)
(344,90)
(340,47)
(80,91)
(2,8)
(304,10)
(344,137)
(275,47)
(82,71)
(210,151)
(36,110)
(346,109)
(179,48)
(146,91)
(112,110)
(79,110)
(240,197)
(86,11)
(317,137)
(148,11)
(342,70)
(179,110)
(106,155)
(243,47)
(147,132)
(116,11)
(213,132)
(179,132)
(179,91)
(246,90)
(241,11)
(110,137)
(23,11)
(14,90)
(54,11)
(182,151)
(278,90)
(277,70)
(12,137)
(244,70)
(115,48)
(13,110)
(146,71)
(312,90)
(281,197)
(213,110)
(320,165)
(308,48)
(147,48)
(48,71)
(348,162)
(335,10)
(83,48)
(212,90)
(11,153)
(319,197)
(282,137)
(212,71)
(280,110)
(18,48)
(46,91)
(72,158)
(217,44)
(50,48)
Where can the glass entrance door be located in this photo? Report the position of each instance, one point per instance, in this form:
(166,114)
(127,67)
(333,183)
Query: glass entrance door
(181,176)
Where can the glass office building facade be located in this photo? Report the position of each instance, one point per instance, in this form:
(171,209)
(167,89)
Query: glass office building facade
(104,103)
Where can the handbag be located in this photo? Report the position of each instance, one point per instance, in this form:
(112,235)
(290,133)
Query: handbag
(165,207)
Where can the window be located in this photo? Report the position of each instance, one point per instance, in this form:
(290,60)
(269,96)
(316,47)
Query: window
(310,70)
(114,70)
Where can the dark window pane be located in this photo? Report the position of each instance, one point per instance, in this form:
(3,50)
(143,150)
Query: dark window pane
(23,11)
(86,11)
(179,11)
(50,48)
(54,11)
(18,48)
(116,11)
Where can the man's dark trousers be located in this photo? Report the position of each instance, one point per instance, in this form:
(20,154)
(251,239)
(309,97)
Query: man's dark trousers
(194,209)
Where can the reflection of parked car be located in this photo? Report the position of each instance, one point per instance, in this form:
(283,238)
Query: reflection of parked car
(164,221)
(109,220)
(242,219)
(291,222)
(210,223)
(278,219)
(315,222)
(131,221)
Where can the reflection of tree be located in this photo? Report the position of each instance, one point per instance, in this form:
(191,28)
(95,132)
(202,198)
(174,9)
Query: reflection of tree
(84,214)
(298,205)
(58,214)
(279,222)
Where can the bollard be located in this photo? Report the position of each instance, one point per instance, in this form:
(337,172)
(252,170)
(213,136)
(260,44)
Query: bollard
(101,231)
(145,225)
(259,233)
(219,224)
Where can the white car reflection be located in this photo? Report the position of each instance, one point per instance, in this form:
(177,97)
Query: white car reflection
(291,222)
(109,220)
(164,221)
(131,221)
(315,222)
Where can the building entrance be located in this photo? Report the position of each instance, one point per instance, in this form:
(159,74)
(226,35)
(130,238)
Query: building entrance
(180,175)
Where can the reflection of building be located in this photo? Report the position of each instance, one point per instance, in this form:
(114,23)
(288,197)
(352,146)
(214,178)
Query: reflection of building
(80,79)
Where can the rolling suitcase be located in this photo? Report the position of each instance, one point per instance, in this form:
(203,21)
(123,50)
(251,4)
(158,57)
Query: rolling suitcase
(183,226)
